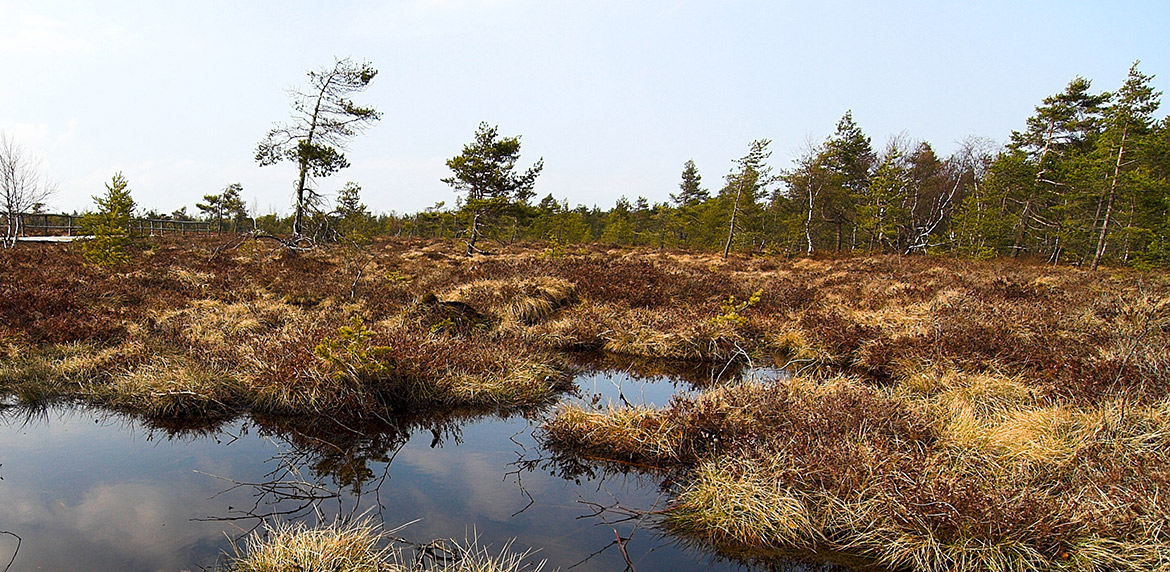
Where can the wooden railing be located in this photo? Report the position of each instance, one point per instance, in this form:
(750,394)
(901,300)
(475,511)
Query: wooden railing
(41,224)
(160,227)
(44,224)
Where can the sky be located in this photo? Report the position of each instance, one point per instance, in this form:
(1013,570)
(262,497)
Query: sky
(614,95)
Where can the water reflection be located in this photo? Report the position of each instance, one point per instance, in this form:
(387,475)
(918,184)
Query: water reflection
(86,489)
(637,368)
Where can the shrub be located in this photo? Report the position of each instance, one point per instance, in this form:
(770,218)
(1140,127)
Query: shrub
(353,355)
(733,311)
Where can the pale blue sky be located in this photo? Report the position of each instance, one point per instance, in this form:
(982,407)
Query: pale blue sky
(615,95)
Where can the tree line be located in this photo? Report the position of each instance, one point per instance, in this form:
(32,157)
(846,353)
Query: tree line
(1083,182)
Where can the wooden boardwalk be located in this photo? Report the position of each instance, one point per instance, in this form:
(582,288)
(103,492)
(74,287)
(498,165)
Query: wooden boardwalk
(50,238)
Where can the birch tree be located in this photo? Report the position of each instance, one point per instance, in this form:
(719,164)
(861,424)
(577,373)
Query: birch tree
(23,186)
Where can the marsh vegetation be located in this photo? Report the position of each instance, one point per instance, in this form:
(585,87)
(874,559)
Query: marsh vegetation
(939,414)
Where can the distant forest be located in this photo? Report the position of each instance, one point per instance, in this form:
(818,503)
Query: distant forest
(1085,182)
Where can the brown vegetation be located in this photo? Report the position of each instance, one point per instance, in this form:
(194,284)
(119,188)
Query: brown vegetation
(945,414)
(980,417)
(194,333)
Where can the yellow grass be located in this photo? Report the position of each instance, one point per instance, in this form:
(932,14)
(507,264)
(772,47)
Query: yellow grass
(518,302)
(521,384)
(993,432)
(170,387)
(362,547)
(737,504)
(296,547)
(214,322)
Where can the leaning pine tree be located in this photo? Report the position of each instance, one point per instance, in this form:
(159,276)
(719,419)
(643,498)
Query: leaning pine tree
(324,120)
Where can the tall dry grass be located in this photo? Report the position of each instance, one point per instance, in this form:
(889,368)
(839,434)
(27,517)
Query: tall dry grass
(339,548)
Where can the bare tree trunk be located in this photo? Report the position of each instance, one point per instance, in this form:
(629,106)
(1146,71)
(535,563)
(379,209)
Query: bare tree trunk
(731,227)
(22,187)
(474,236)
(808,221)
(299,210)
(11,229)
(1101,240)
(1129,229)
(1022,228)
(298,217)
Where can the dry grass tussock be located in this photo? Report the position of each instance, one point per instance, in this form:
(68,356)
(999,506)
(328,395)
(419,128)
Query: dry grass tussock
(362,547)
(519,302)
(341,548)
(170,388)
(957,472)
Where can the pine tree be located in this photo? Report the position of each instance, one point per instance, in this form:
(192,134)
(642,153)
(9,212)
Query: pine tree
(486,172)
(849,156)
(1128,119)
(743,189)
(325,119)
(1058,136)
(354,216)
(226,205)
(881,210)
(619,226)
(690,189)
(110,225)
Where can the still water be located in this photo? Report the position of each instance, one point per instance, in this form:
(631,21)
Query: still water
(90,490)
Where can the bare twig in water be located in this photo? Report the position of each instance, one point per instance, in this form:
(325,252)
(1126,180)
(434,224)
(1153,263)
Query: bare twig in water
(621,543)
(626,515)
(286,484)
(14,552)
(739,351)
(520,465)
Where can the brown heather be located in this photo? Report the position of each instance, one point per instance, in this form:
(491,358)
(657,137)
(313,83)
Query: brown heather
(943,415)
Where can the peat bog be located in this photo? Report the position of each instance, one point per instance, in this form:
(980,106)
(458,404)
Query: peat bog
(940,414)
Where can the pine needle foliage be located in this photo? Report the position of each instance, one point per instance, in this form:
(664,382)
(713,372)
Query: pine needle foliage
(109,227)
